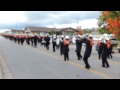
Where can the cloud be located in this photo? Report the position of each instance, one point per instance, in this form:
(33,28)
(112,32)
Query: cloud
(61,17)
(21,19)
(7,17)
(82,23)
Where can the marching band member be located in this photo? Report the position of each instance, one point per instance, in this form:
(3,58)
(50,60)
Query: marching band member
(104,54)
(61,44)
(54,42)
(89,43)
(79,46)
(66,48)
(47,41)
(57,42)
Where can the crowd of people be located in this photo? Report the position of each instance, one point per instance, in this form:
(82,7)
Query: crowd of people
(62,43)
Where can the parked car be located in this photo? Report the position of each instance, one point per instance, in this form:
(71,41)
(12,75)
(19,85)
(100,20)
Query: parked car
(115,41)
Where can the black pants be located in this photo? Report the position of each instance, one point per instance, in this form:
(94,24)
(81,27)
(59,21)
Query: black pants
(86,62)
(66,56)
(79,55)
(61,51)
(110,55)
(44,44)
(57,46)
(18,41)
(28,42)
(99,55)
(47,46)
(35,44)
(31,43)
(54,48)
(105,62)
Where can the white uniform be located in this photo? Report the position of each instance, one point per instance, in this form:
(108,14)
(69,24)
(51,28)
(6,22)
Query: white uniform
(58,40)
(74,39)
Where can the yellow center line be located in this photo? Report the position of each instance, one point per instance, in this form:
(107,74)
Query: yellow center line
(110,60)
(115,62)
(91,70)
(76,64)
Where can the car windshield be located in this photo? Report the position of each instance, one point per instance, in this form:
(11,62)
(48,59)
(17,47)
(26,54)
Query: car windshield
(114,39)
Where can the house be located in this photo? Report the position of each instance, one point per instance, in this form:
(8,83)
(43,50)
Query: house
(14,31)
(68,30)
(31,29)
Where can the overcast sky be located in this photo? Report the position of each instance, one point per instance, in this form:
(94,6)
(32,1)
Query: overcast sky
(59,19)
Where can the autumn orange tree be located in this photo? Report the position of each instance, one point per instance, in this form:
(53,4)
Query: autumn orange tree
(111,21)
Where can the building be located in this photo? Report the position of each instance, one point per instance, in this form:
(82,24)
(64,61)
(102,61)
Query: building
(68,31)
(31,29)
(15,31)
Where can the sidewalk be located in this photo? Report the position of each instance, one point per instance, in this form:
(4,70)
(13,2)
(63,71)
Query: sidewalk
(0,73)
(0,69)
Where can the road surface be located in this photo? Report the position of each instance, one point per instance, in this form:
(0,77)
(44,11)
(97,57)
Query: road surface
(26,62)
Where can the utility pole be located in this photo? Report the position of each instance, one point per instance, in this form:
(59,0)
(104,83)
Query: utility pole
(16,28)
(77,23)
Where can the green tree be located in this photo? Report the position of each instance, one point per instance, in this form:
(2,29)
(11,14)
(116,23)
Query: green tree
(52,32)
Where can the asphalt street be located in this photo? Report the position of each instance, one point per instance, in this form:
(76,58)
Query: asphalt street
(27,62)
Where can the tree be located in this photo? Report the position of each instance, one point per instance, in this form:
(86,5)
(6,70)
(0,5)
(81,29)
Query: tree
(81,32)
(52,32)
(88,30)
(111,21)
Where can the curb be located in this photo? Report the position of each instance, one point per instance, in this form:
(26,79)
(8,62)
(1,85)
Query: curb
(5,73)
(0,72)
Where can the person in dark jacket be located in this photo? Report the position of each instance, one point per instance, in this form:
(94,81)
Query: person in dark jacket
(104,54)
(88,50)
(79,46)
(66,48)
(61,44)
